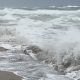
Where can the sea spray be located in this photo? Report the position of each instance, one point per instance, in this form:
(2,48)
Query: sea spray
(55,32)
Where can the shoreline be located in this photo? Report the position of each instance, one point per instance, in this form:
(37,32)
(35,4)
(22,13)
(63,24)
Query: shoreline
(5,75)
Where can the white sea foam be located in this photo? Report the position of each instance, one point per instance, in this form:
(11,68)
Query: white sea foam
(51,28)
(56,31)
(55,26)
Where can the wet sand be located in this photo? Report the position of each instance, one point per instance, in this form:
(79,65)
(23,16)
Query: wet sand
(2,49)
(4,75)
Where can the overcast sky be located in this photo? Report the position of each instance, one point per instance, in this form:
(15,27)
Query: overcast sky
(37,3)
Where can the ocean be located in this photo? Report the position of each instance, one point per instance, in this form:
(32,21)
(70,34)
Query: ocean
(56,30)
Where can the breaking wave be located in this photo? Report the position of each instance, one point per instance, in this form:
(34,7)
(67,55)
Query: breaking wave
(69,7)
(56,31)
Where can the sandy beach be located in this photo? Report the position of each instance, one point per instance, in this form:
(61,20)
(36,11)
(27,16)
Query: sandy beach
(4,75)
(2,49)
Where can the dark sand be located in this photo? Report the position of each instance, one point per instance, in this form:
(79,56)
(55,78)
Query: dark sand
(4,75)
(3,49)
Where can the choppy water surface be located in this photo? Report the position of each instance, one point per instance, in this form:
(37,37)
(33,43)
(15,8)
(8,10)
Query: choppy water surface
(56,31)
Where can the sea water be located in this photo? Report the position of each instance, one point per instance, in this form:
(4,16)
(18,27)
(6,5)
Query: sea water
(55,29)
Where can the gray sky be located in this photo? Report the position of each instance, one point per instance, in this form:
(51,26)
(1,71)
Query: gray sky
(37,3)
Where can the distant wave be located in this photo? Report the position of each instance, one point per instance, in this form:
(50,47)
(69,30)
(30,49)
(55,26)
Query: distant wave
(65,7)
(54,8)
(69,7)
